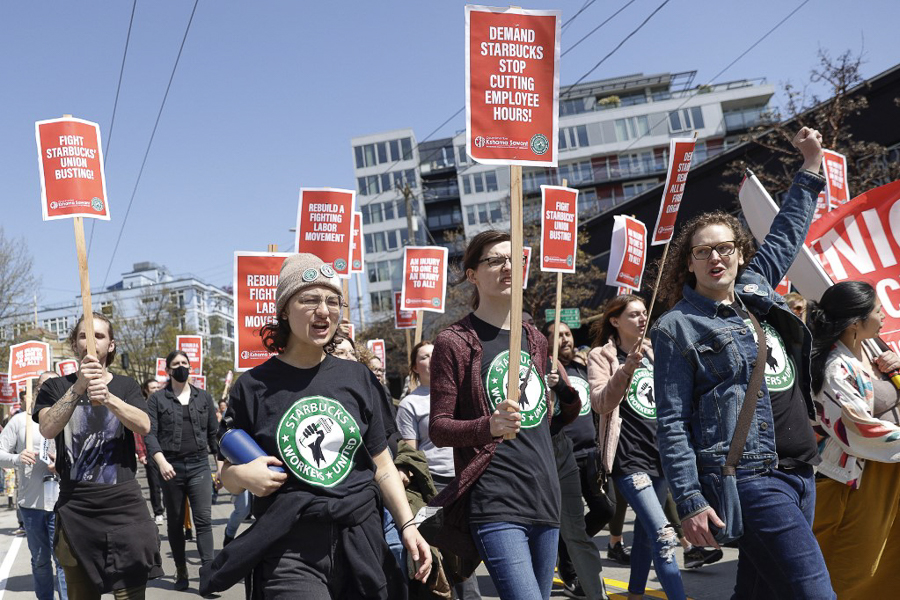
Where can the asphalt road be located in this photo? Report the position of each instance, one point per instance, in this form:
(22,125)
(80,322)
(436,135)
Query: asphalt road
(712,582)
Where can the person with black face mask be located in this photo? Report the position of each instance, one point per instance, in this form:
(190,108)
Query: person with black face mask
(183,427)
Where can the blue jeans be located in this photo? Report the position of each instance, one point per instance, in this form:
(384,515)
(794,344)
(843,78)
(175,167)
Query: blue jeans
(520,558)
(392,537)
(241,503)
(779,555)
(654,537)
(39,527)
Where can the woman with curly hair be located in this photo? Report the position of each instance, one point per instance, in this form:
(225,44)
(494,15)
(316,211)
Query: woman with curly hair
(723,307)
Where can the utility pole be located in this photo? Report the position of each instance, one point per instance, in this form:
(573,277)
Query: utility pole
(407,198)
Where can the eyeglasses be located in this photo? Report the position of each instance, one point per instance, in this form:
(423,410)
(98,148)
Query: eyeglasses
(495,262)
(334,303)
(703,252)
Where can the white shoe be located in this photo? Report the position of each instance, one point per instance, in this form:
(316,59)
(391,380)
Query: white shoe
(159,519)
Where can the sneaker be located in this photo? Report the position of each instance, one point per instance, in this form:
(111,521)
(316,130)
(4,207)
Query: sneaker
(619,553)
(573,589)
(697,556)
(19,532)
(181,578)
(188,534)
(159,520)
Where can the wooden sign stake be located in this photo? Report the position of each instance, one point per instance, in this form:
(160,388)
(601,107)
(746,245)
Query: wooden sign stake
(345,283)
(419,315)
(408,346)
(29,435)
(81,250)
(515,309)
(558,308)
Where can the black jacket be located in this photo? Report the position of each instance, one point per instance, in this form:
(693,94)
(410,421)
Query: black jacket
(166,418)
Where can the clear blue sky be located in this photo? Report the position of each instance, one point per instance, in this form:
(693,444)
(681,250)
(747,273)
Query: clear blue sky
(268,94)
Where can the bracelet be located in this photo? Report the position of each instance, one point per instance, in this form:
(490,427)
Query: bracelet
(407,524)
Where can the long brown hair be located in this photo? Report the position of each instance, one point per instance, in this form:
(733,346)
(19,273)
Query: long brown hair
(475,252)
(603,329)
(413,355)
(676,266)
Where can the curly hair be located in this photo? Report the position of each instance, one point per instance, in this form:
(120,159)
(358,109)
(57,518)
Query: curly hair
(678,259)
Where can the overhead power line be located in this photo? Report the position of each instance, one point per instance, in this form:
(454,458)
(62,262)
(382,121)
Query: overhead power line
(150,143)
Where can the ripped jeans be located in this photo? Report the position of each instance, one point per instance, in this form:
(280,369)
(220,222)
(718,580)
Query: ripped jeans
(654,537)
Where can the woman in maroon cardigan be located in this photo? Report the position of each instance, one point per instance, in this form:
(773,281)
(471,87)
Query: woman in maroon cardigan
(503,505)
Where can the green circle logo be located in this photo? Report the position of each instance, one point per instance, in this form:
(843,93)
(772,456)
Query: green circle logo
(584,392)
(640,393)
(340,264)
(310,275)
(317,440)
(780,373)
(534,401)
(97,204)
(539,143)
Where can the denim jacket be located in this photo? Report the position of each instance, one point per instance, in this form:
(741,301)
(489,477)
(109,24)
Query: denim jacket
(705,353)
(166,418)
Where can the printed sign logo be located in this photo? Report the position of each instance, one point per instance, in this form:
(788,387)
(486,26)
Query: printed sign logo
(97,204)
(539,143)
(479,142)
(780,372)
(640,393)
(533,402)
(317,440)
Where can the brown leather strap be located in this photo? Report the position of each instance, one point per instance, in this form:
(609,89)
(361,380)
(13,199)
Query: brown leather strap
(754,392)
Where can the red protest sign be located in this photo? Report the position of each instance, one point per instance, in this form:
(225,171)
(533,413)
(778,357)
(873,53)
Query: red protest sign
(325,226)
(821,205)
(681,151)
(357,254)
(28,360)
(622,290)
(255,282)
(198,381)
(526,250)
(67,367)
(512,85)
(403,319)
(351,331)
(7,390)
(784,287)
(857,241)
(192,346)
(70,160)
(376,347)
(559,228)
(424,278)
(627,254)
(834,167)
(161,374)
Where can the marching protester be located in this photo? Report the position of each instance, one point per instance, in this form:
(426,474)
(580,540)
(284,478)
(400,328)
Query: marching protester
(36,472)
(154,485)
(858,481)
(579,562)
(412,421)
(183,426)
(318,532)
(343,347)
(92,414)
(711,341)
(503,506)
(620,373)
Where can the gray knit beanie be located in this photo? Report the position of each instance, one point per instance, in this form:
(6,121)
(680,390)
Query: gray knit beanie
(301,271)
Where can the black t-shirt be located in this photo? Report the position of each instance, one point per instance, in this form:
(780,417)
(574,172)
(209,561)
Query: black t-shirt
(581,430)
(520,484)
(637,451)
(795,441)
(189,445)
(94,446)
(323,423)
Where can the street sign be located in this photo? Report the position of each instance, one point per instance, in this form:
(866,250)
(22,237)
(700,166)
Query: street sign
(569,316)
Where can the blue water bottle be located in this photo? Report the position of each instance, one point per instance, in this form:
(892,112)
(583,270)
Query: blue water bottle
(239,448)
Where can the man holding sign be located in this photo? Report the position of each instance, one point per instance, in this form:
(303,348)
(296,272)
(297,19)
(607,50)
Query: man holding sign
(711,341)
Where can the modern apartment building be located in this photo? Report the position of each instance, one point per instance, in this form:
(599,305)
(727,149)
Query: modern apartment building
(614,141)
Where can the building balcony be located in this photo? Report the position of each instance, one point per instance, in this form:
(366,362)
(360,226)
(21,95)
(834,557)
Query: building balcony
(742,120)
(439,192)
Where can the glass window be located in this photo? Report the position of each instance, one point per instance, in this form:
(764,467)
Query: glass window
(384,270)
(490,180)
(467,187)
(372,184)
(496,211)
(622,133)
(674,121)
(461,151)
(406,147)
(382,152)
(388,210)
(391,243)
(386,182)
(642,125)
(483,213)
(697,115)
(478,182)
(401,210)
(369,150)
(411,178)
(471,218)
(360,160)
(361,186)
(370,242)
(373,269)
(581,131)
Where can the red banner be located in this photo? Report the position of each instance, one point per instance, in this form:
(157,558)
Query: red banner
(161,374)
(192,346)
(860,240)
(7,390)
(403,319)
(357,253)
(834,168)
(351,331)
(28,360)
(559,229)
(70,160)
(627,254)
(821,205)
(424,278)
(325,226)
(526,250)
(681,152)
(198,381)
(512,85)
(255,282)
(67,367)
(376,347)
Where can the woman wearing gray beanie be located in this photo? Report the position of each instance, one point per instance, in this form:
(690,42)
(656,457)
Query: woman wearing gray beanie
(318,533)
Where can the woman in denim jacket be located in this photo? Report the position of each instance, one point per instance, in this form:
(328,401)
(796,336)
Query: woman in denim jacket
(858,485)
(705,351)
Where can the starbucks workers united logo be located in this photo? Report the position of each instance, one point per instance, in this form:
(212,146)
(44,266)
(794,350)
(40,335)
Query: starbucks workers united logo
(640,393)
(533,402)
(584,392)
(317,440)
(780,374)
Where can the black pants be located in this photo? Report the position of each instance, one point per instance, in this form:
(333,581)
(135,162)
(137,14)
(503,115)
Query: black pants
(192,479)
(154,484)
(598,515)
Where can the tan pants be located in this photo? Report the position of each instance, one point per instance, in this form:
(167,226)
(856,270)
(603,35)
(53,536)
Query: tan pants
(79,585)
(859,532)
